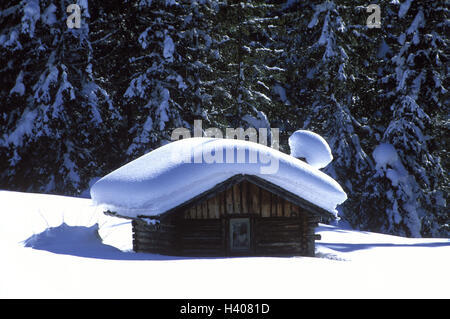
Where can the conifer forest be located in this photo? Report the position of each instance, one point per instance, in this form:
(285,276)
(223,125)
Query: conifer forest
(81,97)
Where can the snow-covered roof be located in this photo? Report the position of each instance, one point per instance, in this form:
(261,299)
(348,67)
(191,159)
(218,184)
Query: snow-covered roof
(179,171)
(312,147)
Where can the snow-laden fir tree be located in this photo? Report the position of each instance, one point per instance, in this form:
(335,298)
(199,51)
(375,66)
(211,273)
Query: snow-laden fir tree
(326,82)
(247,71)
(55,114)
(170,85)
(414,90)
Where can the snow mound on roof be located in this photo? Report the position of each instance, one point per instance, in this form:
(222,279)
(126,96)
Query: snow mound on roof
(176,172)
(312,147)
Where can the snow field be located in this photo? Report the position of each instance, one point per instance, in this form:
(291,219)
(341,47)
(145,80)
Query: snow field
(68,261)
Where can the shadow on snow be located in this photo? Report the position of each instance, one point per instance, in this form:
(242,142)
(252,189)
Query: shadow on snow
(82,241)
(349,247)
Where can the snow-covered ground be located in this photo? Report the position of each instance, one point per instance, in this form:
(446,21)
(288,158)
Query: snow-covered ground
(51,247)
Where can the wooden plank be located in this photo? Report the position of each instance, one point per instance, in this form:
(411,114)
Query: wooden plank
(253,227)
(265,203)
(205,212)
(194,210)
(273,205)
(295,229)
(279,237)
(221,203)
(204,241)
(280,206)
(199,211)
(254,199)
(287,208)
(237,199)
(147,241)
(260,200)
(224,222)
(229,201)
(213,208)
(281,244)
(244,198)
(249,198)
(191,213)
(304,231)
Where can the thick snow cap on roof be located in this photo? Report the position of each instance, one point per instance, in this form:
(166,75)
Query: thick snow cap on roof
(312,147)
(176,172)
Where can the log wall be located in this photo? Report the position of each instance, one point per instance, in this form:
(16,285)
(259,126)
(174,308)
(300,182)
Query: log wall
(278,227)
(159,238)
(201,237)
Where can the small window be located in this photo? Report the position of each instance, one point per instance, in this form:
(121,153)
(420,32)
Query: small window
(239,234)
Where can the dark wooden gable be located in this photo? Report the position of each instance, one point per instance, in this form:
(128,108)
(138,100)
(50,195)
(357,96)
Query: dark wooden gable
(247,194)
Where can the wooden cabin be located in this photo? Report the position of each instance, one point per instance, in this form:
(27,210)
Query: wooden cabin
(244,215)
(180,205)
